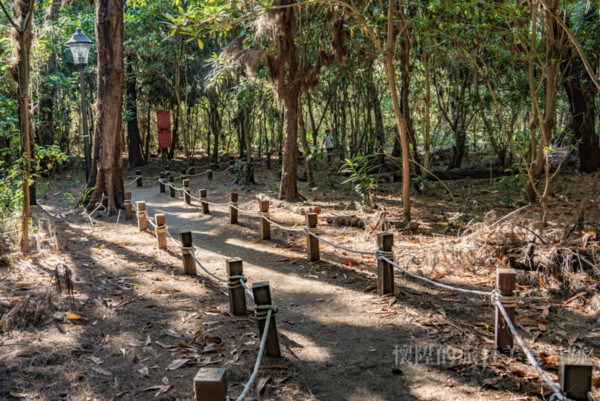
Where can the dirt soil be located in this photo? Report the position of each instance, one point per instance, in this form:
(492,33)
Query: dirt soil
(137,328)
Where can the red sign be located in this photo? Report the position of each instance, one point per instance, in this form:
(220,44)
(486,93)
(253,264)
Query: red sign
(163,120)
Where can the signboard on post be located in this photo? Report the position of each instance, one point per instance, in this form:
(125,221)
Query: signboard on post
(163,120)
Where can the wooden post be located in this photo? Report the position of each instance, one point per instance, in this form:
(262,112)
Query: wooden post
(202,194)
(262,296)
(161,177)
(575,377)
(183,173)
(237,294)
(161,231)
(192,170)
(210,384)
(141,216)
(209,175)
(506,280)
(233,212)
(312,242)
(186,191)
(138,176)
(385,270)
(265,226)
(189,266)
(171,189)
(128,208)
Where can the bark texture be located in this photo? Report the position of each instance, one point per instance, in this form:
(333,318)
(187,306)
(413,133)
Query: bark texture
(107,164)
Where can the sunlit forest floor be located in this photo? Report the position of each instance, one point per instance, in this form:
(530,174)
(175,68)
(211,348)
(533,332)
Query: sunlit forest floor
(135,327)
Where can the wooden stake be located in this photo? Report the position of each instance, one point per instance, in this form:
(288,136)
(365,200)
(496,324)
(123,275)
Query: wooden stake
(192,170)
(265,225)
(209,175)
(183,173)
(262,296)
(312,242)
(138,175)
(575,377)
(171,189)
(161,232)
(186,191)
(160,182)
(233,212)
(385,270)
(506,280)
(189,266)
(202,194)
(210,384)
(237,294)
(141,216)
(128,208)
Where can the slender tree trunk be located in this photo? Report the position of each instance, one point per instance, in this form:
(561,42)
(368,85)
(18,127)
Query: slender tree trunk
(427,116)
(48,90)
(134,141)
(307,153)
(107,164)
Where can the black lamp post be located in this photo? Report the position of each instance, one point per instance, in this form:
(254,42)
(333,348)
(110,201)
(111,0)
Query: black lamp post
(80,47)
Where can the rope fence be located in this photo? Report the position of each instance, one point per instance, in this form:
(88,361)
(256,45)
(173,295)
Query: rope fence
(503,298)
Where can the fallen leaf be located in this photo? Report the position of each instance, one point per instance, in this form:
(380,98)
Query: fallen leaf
(255,241)
(177,363)
(262,382)
(144,371)
(101,371)
(73,316)
(350,262)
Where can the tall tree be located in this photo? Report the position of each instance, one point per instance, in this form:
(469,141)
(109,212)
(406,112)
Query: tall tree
(107,163)
(21,21)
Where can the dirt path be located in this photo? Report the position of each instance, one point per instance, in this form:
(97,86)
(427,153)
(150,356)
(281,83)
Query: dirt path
(137,328)
(339,349)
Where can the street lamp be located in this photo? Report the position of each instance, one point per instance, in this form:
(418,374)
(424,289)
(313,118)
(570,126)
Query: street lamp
(80,47)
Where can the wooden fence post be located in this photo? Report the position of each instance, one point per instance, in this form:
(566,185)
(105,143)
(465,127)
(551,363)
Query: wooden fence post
(265,225)
(262,297)
(161,179)
(128,208)
(141,216)
(161,231)
(210,384)
(183,173)
(138,176)
(192,170)
(171,189)
(202,194)
(233,212)
(186,191)
(209,175)
(237,294)
(189,265)
(506,281)
(575,377)
(312,242)
(385,270)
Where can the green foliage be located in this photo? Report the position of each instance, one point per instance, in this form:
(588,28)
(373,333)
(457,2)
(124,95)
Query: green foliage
(361,170)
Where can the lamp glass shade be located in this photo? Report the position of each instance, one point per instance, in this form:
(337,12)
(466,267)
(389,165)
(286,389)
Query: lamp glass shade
(80,47)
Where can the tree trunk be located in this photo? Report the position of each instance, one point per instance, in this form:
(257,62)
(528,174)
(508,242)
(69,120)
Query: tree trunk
(107,164)
(307,153)
(288,189)
(23,15)
(48,90)
(134,141)
(580,92)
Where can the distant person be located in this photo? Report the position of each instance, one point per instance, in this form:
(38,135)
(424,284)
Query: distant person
(329,145)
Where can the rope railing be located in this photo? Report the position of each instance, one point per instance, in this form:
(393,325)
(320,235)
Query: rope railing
(261,351)
(501,302)
(132,181)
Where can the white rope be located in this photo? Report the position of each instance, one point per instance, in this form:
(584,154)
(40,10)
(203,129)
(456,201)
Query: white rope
(250,294)
(175,242)
(263,342)
(264,216)
(558,395)
(333,244)
(245,211)
(378,255)
(132,181)
(206,270)
(98,206)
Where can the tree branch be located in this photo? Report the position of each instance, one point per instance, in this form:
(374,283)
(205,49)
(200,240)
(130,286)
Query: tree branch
(12,22)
